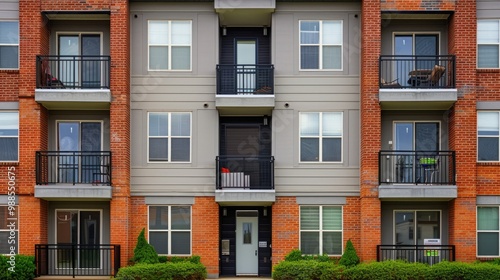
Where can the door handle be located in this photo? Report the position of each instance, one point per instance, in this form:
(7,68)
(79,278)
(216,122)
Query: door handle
(256,252)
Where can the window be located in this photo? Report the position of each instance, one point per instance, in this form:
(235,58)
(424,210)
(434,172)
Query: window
(321,44)
(169,137)
(7,219)
(488,136)
(321,137)
(488,42)
(488,232)
(170,229)
(169,45)
(321,230)
(9,44)
(9,136)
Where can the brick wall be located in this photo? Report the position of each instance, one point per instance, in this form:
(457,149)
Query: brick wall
(205,232)
(462,133)
(417,5)
(285,225)
(370,129)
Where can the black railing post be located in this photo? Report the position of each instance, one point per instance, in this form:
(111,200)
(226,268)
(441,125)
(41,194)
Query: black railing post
(117,261)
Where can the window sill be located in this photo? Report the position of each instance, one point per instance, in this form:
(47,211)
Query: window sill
(480,163)
(488,70)
(9,163)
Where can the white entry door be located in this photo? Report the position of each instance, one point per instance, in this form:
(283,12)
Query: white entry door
(247,223)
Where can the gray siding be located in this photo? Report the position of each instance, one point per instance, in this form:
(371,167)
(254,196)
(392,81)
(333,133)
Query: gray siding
(188,91)
(9,10)
(488,9)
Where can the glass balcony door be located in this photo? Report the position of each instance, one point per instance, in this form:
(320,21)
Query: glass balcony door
(414,45)
(246,59)
(73,138)
(414,136)
(82,67)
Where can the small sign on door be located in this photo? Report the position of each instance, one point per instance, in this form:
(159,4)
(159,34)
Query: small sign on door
(262,244)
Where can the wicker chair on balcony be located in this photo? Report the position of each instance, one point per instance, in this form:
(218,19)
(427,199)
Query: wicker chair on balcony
(433,79)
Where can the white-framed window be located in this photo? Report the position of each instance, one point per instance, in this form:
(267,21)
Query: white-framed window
(321,44)
(321,230)
(9,231)
(488,43)
(488,135)
(169,137)
(9,44)
(488,231)
(169,44)
(170,229)
(9,136)
(321,136)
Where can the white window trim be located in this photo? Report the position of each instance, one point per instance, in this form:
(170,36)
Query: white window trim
(169,137)
(169,45)
(486,136)
(17,45)
(320,229)
(478,231)
(487,44)
(320,137)
(320,46)
(169,229)
(10,136)
(16,220)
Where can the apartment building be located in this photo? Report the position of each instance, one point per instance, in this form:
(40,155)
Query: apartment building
(240,130)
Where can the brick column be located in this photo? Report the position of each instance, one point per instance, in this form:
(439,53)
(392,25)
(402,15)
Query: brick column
(370,129)
(120,126)
(205,232)
(285,225)
(462,43)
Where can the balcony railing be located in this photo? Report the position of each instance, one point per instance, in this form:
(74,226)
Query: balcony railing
(245,79)
(76,260)
(72,72)
(430,254)
(417,167)
(245,172)
(417,71)
(59,167)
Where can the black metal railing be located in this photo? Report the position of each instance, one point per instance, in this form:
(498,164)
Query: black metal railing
(77,260)
(430,254)
(417,167)
(417,71)
(246,79)
(59,167)
(72,71)
(245,172)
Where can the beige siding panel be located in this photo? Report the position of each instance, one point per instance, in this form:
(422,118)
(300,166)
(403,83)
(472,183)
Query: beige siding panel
(488,9)
(9,9)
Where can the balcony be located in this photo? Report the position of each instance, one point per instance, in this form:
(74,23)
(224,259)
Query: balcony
(429,254)
(245,87)
(417,82)
(417,174)
(69,82)
(76,260)
(245,179)
(79,175)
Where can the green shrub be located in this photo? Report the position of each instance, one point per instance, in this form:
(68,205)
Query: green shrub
(162,259)
(23,266)
(464,271)
(144,252)
(387,270)
(294,255)
(184,270)
(350,257)
(306,270)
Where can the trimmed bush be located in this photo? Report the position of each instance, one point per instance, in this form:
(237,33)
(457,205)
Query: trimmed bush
(306,270)
(144,252)
(350,257)
(294,255)
(387,270)
(464,271)
(184,270)
(24,268)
